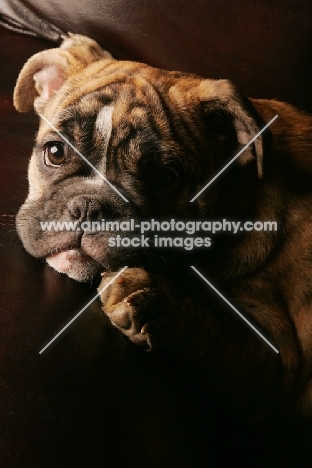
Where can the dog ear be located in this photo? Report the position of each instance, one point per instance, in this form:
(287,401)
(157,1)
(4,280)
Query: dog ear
(220,101)
(44,73)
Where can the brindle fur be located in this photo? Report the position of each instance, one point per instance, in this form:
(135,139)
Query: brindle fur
(186,123)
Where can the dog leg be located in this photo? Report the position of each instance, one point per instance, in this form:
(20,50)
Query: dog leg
(199,330)
(134,305)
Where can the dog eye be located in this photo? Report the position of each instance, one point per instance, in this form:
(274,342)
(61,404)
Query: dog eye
(54,154)
(164,178)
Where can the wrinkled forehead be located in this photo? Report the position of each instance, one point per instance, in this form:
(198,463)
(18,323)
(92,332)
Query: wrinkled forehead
(127,106)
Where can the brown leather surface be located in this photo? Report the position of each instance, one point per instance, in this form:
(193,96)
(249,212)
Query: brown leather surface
(92,399)
(263,46)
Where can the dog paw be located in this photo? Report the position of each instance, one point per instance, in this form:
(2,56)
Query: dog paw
(133,305)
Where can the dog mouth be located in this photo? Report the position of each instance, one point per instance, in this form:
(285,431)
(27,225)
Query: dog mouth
(85,258)
(63,261)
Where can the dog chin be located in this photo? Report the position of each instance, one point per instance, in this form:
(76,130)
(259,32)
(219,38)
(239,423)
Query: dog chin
(76,264)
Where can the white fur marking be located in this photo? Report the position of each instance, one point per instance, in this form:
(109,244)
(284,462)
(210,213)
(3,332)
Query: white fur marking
(104,125)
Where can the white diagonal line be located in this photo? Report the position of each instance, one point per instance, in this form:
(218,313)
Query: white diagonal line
(235,310)
(233,159)
(83,157)
(83,309)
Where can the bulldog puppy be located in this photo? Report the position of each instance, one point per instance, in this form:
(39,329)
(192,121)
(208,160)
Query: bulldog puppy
(158,137)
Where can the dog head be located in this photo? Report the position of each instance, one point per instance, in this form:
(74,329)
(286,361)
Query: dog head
(118,141)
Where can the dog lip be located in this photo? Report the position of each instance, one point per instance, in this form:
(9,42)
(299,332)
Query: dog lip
(62,261)
(71,251)
(79,252)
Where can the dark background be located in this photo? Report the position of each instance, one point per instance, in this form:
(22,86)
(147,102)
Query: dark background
(92,398)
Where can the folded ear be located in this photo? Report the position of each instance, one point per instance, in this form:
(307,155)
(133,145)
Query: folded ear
(225,109)
(44,73)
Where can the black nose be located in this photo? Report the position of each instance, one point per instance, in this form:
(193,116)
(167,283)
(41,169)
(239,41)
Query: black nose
(87,208)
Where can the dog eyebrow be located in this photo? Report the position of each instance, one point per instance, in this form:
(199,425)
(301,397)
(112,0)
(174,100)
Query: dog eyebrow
(83,157)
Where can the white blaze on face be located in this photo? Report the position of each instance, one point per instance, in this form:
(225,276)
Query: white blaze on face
(36,184)
(104,126)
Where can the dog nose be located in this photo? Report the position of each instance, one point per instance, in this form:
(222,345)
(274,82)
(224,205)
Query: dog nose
(85,208)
